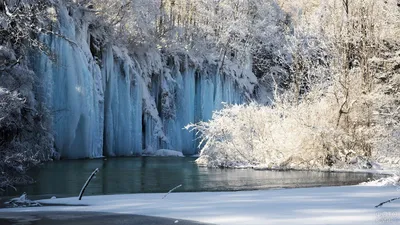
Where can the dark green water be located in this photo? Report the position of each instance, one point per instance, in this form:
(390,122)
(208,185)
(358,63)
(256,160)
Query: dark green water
(153,174)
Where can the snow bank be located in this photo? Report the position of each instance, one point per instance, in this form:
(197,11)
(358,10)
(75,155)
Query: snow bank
(168,153)
(386,181)
(22,201)
(330,205)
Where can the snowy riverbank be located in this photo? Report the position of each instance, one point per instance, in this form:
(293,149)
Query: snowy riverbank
(328,205)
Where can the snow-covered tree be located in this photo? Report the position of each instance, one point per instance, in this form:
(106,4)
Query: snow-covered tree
(216,31)
(339,102)
(24,138)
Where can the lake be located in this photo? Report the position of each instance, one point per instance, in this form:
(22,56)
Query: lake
(160,174)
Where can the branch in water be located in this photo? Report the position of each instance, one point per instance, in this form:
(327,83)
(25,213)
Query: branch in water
(173,189)
(87,183)
(388,201)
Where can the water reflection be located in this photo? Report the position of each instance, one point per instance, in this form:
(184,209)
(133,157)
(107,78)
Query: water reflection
(150,174)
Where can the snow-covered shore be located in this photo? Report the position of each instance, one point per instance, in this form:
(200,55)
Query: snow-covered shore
(328,205)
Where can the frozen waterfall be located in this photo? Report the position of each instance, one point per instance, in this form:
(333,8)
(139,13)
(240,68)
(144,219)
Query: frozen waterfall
(109,106)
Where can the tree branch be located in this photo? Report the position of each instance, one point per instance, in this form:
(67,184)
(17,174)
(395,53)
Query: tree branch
(388,201)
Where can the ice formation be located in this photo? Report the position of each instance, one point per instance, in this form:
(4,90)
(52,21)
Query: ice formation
(118,105)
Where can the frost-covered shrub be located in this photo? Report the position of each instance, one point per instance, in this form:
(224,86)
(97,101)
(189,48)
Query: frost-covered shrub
(24,137)
(261,135)
(24,140)
(315,132)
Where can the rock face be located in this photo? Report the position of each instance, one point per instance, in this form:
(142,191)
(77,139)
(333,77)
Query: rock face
(110,103)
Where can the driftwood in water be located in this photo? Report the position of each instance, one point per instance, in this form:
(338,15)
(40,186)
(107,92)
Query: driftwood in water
(87,183)
(173,189)
(388,201)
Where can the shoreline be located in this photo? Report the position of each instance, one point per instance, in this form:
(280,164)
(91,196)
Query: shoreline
(86,218)
(344,205)
(384,173)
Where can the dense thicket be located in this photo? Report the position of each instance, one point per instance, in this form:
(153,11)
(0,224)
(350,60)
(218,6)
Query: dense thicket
(342,104)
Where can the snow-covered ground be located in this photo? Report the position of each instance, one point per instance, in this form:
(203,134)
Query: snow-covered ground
(328,205)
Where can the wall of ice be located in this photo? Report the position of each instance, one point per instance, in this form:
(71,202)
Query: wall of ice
(112,105)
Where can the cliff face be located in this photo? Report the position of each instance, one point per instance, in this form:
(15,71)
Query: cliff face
(118,103)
